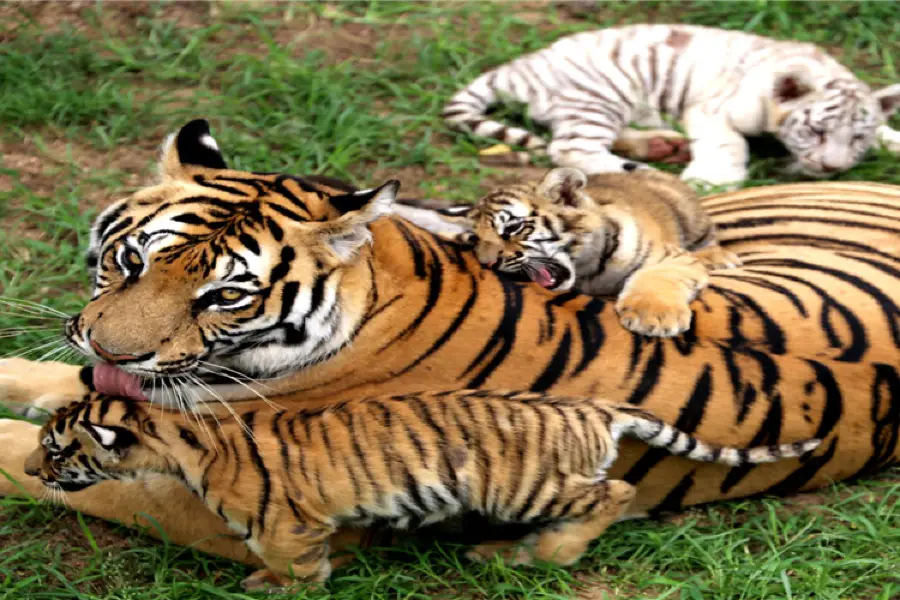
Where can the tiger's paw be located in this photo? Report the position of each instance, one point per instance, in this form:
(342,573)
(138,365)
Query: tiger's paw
(18,439)
(669,150)
(715,257)
(511,552)
(650,314)
(273,583)
(33,388)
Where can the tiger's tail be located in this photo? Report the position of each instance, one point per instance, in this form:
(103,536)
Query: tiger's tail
(640,424)
(467,109)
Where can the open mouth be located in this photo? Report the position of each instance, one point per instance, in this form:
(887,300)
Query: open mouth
(547,274)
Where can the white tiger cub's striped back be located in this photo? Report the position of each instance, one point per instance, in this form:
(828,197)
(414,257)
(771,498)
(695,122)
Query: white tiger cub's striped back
(721,84)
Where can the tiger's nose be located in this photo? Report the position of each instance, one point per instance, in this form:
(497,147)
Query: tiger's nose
(829,168)
(32,470)
(110,356)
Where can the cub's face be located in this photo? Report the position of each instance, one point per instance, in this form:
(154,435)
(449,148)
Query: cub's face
(532,229)
(75,454)
(225,272)
(829,130)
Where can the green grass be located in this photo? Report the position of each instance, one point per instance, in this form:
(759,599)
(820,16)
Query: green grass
(291,87)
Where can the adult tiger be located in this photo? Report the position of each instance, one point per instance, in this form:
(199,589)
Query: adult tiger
(589,86)
(802,341)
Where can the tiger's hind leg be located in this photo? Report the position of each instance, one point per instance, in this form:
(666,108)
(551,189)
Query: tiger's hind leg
(654,145)
(591,507)
(586,144)
(655,301)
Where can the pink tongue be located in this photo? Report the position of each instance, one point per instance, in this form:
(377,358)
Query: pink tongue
(113,381)
(542,277)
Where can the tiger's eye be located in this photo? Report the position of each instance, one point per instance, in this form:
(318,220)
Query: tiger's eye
(231,294)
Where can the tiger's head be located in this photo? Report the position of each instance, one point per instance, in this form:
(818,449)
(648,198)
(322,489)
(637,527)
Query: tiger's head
(102,439)
(828,129)
(536,229)
(213,270)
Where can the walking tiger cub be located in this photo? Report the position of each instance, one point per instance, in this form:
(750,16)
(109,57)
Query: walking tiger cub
(286,481)
(641,235)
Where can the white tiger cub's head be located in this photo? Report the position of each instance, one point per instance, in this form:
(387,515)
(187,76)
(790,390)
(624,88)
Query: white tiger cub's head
(828,129)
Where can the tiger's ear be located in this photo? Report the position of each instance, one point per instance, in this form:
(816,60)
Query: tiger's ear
(888,99)
(191,146)
(110,438)
(561,186)
(786,89)
(345,235)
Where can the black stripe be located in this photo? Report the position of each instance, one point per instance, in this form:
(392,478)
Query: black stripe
(557,365)
(257,460)
(501,341)
(649,376)
(283,267)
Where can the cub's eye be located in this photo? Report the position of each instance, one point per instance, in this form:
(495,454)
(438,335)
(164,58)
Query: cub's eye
(514,227)
(132,261)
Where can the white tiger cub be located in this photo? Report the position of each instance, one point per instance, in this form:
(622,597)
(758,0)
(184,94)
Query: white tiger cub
(720,85)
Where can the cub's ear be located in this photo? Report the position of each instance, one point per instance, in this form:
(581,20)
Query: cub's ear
(111,438)
(888,99)
(792,85)
(191,146)
(346,234)
(561,186)
(786,89)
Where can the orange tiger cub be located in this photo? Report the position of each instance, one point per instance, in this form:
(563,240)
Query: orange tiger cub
(642,235)
(286,481)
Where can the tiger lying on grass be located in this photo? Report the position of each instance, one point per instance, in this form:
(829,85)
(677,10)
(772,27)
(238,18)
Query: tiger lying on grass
(641,235)
(801,341)
(287,480)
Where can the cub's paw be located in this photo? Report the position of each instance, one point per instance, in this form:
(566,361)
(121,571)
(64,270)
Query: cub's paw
(716,257)
(32,388)
(18,439)
(650,314)
(511,552)
(714,177)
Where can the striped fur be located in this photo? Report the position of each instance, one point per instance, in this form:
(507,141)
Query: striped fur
(588,87)
(801,341)
(641,235)
(286,481)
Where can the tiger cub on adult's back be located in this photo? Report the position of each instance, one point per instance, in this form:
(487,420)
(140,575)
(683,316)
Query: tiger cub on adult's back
(721,85)
(286,481)
(641,235)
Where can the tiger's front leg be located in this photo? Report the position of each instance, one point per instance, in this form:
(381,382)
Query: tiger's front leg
(655,301)
(719,153)
(293,551)
(30,387)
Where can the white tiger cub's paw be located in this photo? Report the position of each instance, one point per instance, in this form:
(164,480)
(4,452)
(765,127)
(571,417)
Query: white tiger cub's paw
(32,388)
(18,439)
(888,138)
(717,176)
